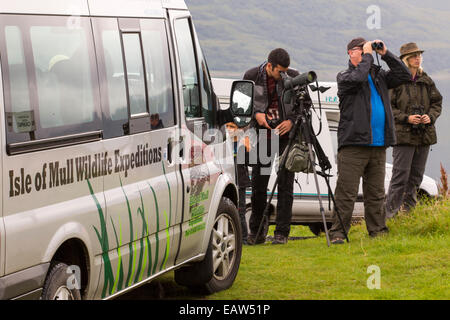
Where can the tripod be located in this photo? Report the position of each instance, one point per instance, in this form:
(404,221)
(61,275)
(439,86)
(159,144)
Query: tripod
(303,126)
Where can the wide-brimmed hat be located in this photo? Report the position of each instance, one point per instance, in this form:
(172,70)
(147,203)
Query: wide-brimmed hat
(409,48)
(357,42)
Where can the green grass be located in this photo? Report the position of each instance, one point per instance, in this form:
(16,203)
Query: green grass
(413,258)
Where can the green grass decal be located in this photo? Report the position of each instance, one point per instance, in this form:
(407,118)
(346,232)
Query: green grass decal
(119,273)
(157,229)
(168,221)
(130,245)
(104,243)
(136,267)
(166,253)
(140,211)
(149,270)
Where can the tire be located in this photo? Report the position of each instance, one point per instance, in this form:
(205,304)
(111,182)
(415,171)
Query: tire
(318,228)
(218,270)
(56,284)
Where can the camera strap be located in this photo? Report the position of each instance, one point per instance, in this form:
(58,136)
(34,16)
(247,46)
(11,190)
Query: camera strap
(320,108)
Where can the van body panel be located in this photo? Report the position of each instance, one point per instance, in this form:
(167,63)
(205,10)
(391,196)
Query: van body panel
(126,8)
(32,219)
(62,7)
(200,169)
(16,284)
(174,4)
(142,208)
(130,265)
(223,181)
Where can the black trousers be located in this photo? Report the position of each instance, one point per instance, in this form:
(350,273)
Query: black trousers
(242,210)
(260,181)
(407,175)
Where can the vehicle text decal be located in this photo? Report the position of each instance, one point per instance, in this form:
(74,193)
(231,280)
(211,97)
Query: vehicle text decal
(81,168)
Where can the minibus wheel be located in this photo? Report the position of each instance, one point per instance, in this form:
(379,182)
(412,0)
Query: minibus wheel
(59,285)
(220,266)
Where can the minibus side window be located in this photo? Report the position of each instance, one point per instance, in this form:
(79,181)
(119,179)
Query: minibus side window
(112,76)
(20,97)
(50,82)
(206,90)
(159,76)
(134,59)
(135,73)
(62,76)
(117,92)
(186,53)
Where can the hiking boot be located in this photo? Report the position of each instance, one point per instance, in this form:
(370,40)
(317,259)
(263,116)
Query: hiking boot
(251,239)
(337,241)
(380,233)
(279,239)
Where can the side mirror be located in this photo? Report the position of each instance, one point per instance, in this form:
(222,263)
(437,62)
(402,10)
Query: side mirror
(241,102)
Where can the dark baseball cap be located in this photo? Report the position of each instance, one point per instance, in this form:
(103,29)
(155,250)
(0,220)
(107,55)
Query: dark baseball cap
(357,42)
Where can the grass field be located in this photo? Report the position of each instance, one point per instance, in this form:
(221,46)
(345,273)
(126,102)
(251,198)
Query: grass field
(413,261)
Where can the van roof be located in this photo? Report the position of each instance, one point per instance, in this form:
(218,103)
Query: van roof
(119,8)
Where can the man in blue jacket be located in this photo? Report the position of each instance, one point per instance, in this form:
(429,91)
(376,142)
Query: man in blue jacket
(366,129)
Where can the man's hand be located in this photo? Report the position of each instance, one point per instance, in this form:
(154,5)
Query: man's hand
(261,119)
(367,48)
(284,127)
(415,119)
(426,119)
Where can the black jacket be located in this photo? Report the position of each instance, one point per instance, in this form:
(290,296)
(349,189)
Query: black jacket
(261,103)
(354,98)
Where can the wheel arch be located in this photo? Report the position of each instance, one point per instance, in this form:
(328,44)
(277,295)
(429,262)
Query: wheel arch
(225,187)
(70,245)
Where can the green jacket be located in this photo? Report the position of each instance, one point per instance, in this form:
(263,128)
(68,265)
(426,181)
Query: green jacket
(422,92)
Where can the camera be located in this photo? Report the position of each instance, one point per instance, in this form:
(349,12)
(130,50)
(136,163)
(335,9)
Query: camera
(273,123)
(377,45)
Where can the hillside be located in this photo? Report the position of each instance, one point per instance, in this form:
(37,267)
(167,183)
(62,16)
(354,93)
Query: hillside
(237,34)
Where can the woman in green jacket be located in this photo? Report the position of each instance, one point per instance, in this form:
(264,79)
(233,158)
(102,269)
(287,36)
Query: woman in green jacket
(415,105)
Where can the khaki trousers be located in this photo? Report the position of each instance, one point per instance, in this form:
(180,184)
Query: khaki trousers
(354,163)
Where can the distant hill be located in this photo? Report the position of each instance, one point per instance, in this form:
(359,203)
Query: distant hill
(238,34)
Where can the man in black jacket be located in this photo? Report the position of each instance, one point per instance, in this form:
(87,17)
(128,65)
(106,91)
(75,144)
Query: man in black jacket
(270,115)
(366,129)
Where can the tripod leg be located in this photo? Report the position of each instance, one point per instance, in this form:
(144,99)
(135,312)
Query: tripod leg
(330,192)
(265,217)
(322,210)
(283,158)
